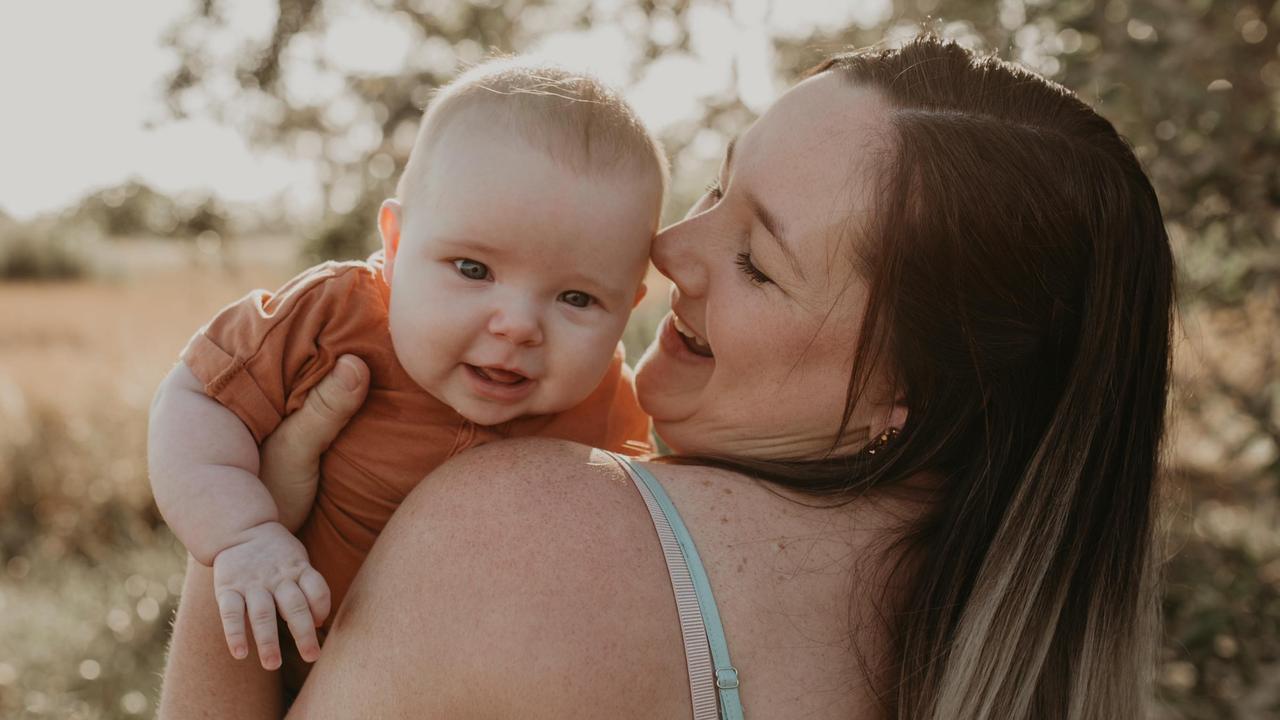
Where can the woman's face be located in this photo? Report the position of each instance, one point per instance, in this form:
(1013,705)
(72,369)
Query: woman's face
(755,358)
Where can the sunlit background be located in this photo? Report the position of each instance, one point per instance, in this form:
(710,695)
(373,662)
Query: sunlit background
(160,158)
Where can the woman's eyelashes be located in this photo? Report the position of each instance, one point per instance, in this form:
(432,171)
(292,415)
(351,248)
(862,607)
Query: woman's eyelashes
(749,269)
(715,191)
(471,270)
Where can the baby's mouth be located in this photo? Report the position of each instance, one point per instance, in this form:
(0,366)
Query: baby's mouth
(498,375)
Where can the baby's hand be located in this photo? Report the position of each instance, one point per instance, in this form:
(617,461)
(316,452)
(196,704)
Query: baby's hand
(269,569)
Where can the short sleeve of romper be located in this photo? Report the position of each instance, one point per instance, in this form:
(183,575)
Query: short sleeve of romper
(261,354)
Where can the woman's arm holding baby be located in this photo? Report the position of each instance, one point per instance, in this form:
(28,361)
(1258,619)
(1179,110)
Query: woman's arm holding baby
(204,466)
(201,680)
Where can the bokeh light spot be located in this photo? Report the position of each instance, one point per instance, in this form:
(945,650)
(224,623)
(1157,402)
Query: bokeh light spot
(148,609)
(134,702)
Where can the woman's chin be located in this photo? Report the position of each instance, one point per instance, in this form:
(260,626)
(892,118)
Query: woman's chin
(672,437)
(670,391)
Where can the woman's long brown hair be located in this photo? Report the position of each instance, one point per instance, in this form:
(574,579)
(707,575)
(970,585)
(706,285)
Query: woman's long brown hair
(1021,296)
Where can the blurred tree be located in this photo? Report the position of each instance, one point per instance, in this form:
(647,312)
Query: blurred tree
(206,216)
(129,209)
(1194,85)
(134,209)
(46,250)
(360,132)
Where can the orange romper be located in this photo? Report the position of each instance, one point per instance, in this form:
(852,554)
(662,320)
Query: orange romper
(260,355)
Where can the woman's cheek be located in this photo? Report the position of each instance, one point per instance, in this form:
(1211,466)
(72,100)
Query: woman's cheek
(739,331)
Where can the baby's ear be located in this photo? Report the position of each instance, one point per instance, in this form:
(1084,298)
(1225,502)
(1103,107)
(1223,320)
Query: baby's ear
(389,216)
(640,293)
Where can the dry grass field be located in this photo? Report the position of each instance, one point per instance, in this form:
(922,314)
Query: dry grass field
(88,573)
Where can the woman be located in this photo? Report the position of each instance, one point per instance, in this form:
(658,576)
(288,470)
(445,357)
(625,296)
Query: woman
(915,377)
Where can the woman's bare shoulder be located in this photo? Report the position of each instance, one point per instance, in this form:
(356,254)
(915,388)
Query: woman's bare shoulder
(520,578)
(532,465)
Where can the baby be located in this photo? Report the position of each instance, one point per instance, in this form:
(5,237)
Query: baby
(512,256)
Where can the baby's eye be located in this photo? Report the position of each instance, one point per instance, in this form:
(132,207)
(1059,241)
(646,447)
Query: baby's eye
(577,298)
(471,269)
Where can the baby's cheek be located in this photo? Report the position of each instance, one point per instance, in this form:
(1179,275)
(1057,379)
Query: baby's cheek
(583,360)
(425,345)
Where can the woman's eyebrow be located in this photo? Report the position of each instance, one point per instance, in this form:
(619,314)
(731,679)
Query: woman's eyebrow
(767,219)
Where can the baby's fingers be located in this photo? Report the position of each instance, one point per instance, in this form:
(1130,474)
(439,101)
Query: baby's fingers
(231,610)
(317,591)
(297,612)
(262,618)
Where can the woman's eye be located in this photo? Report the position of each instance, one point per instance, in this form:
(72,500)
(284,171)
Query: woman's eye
(577,298)
(471,269)
(750,270)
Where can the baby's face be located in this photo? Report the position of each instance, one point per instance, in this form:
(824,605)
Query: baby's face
(512,277)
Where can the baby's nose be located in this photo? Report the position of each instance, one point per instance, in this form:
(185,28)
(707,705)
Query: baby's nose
(516,322)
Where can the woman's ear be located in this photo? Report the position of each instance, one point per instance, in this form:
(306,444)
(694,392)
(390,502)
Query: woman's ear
(640,293)
(898,413)
(389,228)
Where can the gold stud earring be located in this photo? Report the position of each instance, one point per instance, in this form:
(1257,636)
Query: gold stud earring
(879,443)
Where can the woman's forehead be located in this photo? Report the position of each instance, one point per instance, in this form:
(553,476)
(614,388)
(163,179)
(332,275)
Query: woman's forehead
(813,160)
(822,118)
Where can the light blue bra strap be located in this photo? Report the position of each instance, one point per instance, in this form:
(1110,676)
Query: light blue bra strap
(726,673)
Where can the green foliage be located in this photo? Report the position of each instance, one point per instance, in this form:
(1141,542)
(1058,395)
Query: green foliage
(134,209)
(89,576)
(345,237)
(1227,652)
(90,637)
(206,216)
(45,251)
(130,209)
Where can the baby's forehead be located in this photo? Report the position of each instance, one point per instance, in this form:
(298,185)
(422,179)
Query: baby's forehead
(573,118)
(576,161)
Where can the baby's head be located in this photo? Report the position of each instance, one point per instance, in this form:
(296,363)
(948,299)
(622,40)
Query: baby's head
(519,239)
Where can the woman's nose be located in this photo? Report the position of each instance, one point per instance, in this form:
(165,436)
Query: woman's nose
(517,322)
(679,253)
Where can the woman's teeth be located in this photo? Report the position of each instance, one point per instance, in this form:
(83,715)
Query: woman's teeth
(691,339)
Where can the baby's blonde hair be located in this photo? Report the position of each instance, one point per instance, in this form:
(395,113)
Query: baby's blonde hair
(573,117)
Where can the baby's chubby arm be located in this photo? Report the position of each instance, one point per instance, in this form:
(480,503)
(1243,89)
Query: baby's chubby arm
(204,465)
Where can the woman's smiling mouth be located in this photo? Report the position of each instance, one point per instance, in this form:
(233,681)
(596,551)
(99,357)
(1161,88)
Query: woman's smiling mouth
(696,344)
